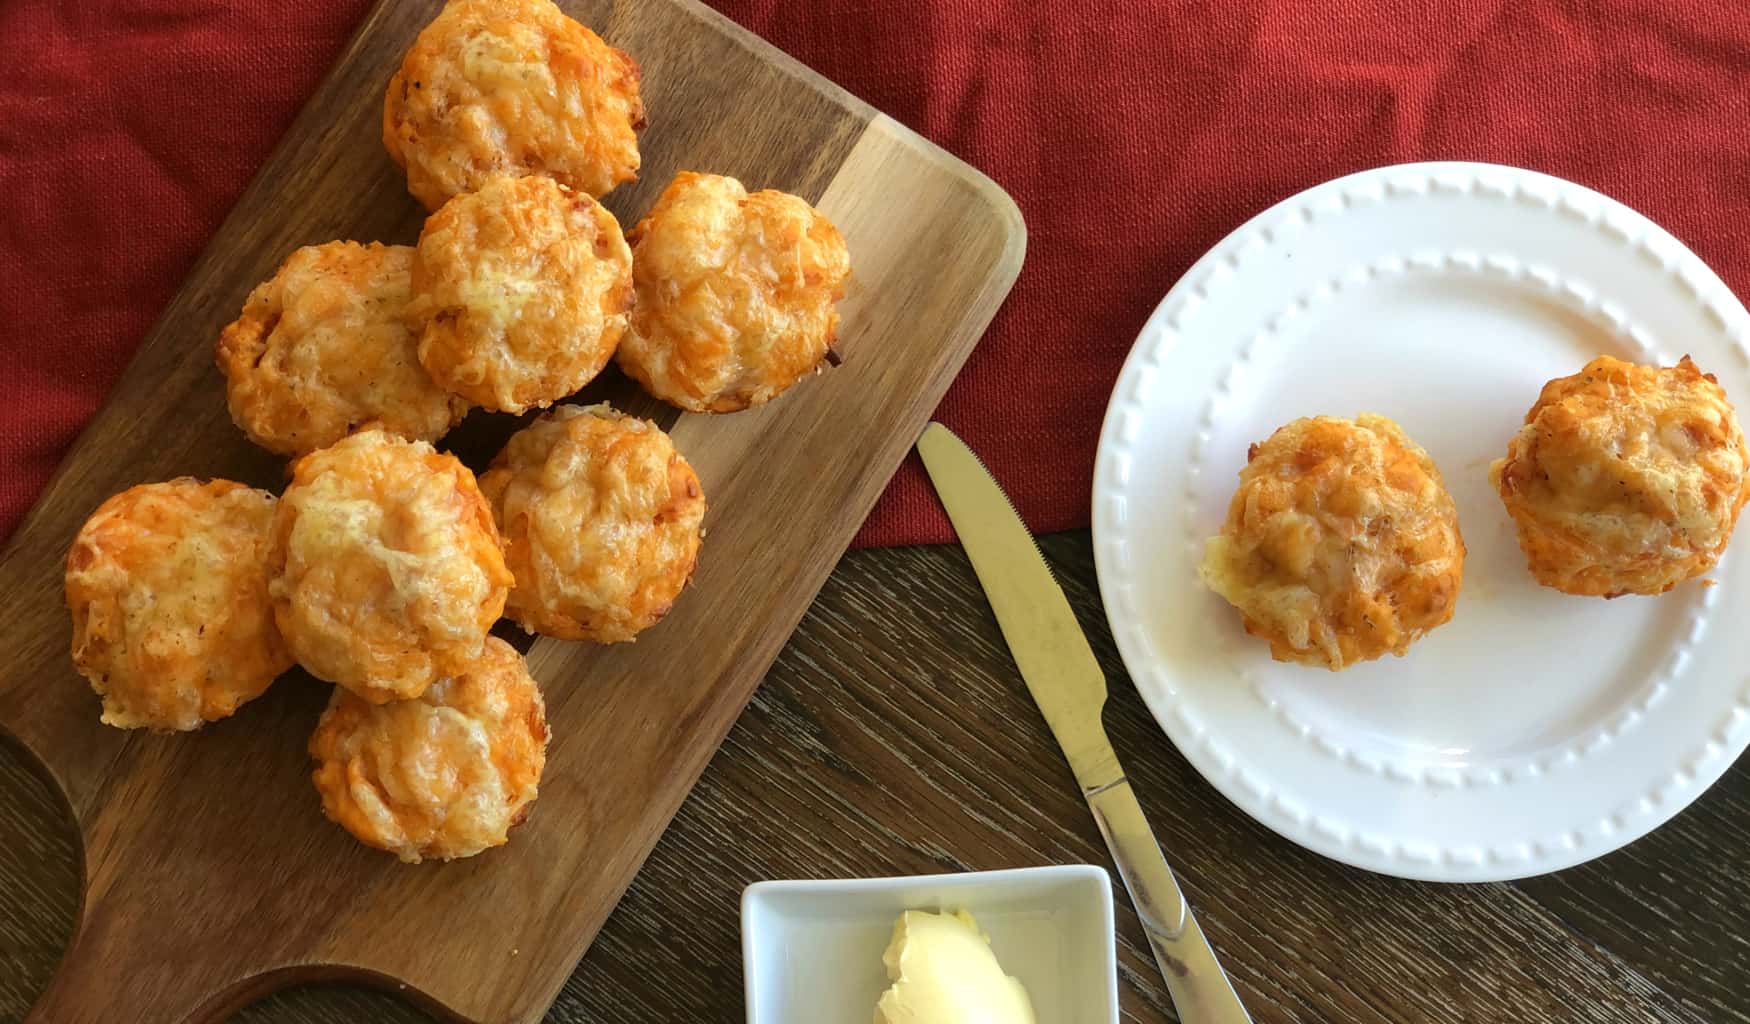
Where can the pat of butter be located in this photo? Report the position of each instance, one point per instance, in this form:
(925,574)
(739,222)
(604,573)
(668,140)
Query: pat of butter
(943,972)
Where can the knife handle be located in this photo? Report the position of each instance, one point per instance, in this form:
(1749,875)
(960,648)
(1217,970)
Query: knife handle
(1201,991)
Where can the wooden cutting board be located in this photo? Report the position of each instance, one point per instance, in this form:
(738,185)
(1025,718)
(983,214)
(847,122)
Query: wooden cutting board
(211,875)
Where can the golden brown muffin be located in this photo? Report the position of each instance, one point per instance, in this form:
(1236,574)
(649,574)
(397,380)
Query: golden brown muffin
(385,568)
(520,293)
(1341,543)
(511,87)
(444,775)
(323,347)
(1625,479)
(167,584)
(737,294)
(601,523)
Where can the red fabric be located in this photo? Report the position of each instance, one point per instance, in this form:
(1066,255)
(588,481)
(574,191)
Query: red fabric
(1134,136)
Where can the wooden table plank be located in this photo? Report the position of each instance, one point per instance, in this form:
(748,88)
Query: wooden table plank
(893,736)
(1674,902)
(39,881)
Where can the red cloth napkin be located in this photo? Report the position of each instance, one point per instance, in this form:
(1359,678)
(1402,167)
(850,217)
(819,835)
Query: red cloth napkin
(1134,136)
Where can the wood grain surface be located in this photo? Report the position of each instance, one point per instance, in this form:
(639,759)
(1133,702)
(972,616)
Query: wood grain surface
(893,735)
(209,876)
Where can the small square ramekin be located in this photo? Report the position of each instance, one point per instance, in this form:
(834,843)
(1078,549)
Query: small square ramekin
(812,950)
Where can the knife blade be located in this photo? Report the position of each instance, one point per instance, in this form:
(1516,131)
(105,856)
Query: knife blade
(1069,686)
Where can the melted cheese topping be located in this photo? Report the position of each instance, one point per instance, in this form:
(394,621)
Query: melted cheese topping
(601,519)
(322,348)
(511,87)
(1341,543)
(737,294)
(387,570)
(444,775)
(1625,479)
(167,585)
(520,293)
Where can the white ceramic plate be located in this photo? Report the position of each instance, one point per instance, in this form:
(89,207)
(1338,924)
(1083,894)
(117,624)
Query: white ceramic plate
(1535,730)
(811,950)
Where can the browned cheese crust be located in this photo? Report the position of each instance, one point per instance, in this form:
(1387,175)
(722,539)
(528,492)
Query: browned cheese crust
(167,585)
(385,569)
(737,294)
(513,87)
(444,775)
(520,293)
(1341,543)
(601,519)
(323,347)
(1625,479)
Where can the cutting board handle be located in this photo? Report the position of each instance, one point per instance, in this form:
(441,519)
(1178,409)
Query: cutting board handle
(91,986)
(94,986)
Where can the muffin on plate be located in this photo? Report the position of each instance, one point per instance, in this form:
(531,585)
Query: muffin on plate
(167,585)
(444,775)
(737,294)
(384,567)
(520,293)
(511,87)
(1625,479)
(1341,543)
(601,523)
(323,347)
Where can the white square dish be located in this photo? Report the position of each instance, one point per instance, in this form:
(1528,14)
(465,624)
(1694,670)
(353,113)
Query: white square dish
(812,949)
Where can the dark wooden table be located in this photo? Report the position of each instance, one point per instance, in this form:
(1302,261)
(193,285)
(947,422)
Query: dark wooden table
(894,737)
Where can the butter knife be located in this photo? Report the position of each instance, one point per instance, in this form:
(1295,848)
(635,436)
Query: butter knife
(1070,689)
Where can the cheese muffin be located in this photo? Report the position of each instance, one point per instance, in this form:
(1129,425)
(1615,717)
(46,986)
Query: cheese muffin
(601,523)
(511,87)
(1625,479)
(1341,543)
(167,585)
(323,347)
(520,293)
(444,775)
(385,569)
(737,294)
